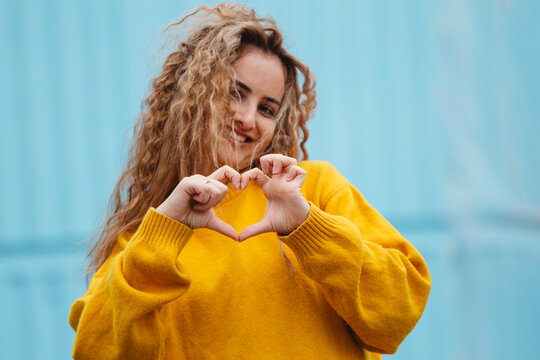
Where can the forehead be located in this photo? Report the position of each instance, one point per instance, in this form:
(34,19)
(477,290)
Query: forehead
(263,73)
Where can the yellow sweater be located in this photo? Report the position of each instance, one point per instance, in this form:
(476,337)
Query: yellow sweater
(170,292)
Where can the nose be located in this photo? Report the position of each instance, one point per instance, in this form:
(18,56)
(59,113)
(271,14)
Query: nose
(245,115)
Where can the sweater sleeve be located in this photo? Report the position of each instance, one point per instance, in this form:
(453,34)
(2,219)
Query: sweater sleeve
(121,314)
(372,277)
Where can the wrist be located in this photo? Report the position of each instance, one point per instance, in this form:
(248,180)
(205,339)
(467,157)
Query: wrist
(169,212)
(304,214)
(301,214)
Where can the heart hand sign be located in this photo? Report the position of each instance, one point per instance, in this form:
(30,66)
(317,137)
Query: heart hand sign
(192,201)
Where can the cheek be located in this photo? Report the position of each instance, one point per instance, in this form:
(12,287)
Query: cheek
(267,131)
(233,107)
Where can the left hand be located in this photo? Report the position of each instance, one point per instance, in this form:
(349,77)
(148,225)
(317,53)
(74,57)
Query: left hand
(286,207)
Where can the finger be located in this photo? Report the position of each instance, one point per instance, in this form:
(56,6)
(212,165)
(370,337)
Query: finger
(296,173)
(254,174)
(276,166)
(222,227)
(269,163)
(275,163)
(217,185)
(191,185)
(205,188)
(201,188)
(198,191)
(226,173)
(287,162)
(255,229)
(215,191)
(265,164)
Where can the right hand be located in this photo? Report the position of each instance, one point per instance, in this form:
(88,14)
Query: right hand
(192,201)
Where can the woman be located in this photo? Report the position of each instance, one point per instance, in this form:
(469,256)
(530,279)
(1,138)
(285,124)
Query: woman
(216,153)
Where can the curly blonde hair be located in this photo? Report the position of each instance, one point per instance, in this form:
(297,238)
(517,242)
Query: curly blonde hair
(183,117)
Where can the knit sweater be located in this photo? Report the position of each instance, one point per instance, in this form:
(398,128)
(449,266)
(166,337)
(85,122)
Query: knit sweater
(170,292)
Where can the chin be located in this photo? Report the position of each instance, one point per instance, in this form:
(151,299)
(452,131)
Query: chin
(234,162)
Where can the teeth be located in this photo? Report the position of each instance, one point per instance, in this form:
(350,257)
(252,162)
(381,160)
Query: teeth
(237,137)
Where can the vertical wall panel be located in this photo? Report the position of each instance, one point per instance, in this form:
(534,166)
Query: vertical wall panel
(430,109)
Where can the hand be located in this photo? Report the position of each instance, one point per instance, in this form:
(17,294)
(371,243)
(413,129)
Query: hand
(286,207)
(192,201)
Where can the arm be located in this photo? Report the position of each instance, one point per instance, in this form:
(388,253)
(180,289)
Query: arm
(374,279)
(123,314)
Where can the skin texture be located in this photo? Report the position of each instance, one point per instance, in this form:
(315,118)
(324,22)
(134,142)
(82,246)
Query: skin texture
(257,93)
(192,201)
(259,89)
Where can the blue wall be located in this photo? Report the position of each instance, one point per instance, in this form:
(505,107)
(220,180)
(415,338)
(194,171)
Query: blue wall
(431,108)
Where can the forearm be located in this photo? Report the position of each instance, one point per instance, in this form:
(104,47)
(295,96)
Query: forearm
(123,315)
(379,291)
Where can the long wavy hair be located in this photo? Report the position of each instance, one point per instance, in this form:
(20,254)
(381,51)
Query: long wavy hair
(183,117)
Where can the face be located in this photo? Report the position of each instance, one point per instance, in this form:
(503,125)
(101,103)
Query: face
(260,86)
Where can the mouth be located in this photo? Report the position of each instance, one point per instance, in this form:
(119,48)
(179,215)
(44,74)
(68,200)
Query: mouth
(237,138)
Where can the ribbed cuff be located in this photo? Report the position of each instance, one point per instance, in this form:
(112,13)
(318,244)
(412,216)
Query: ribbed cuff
(157,229)
(312,234)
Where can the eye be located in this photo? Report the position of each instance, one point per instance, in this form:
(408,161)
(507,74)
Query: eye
(237,95)
(267,110)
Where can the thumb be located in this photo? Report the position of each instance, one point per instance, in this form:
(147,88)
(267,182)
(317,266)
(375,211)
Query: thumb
(255,229)
(222,227)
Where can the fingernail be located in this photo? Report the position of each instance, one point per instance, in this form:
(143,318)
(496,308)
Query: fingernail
(274,170)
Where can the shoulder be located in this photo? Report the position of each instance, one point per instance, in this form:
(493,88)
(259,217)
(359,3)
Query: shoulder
(322,170)
(316,166)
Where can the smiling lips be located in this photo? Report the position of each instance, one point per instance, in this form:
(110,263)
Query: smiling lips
(238,138)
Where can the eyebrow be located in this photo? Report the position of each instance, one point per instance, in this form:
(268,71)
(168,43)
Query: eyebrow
(245,87)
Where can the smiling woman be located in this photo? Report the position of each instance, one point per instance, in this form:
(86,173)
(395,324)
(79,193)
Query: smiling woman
(257,96)
(190,262)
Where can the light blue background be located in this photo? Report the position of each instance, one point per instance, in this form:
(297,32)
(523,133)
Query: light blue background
(431,108)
